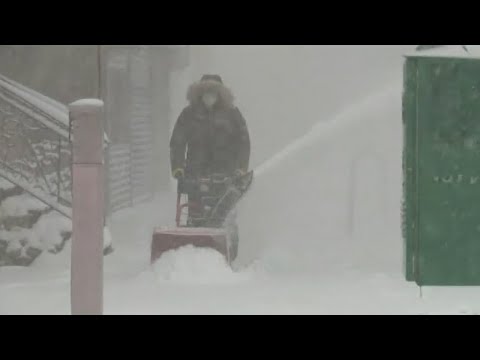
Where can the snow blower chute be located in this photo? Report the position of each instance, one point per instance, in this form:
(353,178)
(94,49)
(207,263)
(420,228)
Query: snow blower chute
(203,221)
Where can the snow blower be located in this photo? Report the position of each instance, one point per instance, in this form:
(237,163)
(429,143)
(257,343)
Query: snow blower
(202,221)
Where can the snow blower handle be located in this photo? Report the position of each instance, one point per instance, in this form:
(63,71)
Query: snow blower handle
(181,189)
(180,208)
(179,199)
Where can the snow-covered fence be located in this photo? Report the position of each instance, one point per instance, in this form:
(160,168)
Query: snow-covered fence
(35,148)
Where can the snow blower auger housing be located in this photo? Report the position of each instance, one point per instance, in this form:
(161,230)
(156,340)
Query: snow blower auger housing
(202,221)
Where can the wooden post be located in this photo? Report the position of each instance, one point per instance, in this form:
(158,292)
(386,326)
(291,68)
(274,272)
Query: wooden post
(86,117)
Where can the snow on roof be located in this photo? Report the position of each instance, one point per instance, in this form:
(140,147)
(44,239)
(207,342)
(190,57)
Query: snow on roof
(450,51)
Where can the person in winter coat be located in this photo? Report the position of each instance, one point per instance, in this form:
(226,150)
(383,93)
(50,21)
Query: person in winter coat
(210,137)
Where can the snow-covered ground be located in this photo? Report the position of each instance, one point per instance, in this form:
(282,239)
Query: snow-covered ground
(197,281)
(320,234)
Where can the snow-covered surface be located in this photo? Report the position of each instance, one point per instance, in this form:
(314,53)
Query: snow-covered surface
(46,234)
(320,234)
(34,192)
(190,265)
(20,205)
(196,281)
(49,229)
(87,103)
(5,184)
(190,231)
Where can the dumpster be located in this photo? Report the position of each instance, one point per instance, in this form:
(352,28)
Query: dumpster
(441,169)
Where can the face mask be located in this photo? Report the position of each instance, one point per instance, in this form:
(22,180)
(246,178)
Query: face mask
(209,99)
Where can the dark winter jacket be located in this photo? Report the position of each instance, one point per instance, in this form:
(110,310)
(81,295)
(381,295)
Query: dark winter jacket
(212,141)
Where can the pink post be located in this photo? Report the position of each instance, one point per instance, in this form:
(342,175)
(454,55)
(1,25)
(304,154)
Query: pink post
(88,207)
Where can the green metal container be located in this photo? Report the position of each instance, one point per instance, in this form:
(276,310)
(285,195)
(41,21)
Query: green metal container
(441,167)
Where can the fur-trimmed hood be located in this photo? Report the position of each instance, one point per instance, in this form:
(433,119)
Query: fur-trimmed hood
(197,89)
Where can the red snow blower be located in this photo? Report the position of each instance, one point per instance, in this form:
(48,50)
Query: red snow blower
(205,215)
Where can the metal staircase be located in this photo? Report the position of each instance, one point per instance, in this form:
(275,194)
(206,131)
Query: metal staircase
(35,146)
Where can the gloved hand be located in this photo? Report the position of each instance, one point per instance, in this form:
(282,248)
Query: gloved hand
(178,173)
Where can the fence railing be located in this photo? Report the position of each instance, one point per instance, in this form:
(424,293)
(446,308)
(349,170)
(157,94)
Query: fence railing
(35,146)
(36,151)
